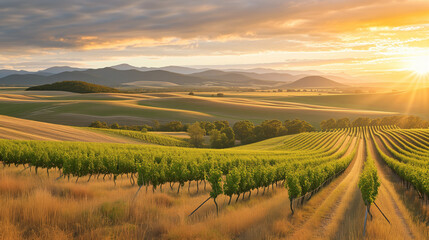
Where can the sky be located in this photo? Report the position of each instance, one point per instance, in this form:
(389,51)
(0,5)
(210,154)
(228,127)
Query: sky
(373,39)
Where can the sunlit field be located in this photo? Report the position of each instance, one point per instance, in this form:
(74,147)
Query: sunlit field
(214,120)
(38,205)
(81,110)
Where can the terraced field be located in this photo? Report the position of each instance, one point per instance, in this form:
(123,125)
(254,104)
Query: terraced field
(301,186)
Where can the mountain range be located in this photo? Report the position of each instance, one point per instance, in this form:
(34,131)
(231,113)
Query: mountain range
(170,76)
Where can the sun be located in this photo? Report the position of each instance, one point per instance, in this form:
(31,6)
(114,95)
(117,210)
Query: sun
(419,65)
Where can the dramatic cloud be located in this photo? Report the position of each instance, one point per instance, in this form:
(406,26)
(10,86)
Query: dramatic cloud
(110,30)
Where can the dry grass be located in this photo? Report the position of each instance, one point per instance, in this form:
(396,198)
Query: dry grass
(37,207)
(401,207)
(22,129)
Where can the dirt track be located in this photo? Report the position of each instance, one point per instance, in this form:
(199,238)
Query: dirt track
(22,129)
(390,202)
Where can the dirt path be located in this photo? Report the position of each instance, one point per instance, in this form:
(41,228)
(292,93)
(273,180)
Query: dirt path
(388,199)
(22,129)
(322,223)
(278,222)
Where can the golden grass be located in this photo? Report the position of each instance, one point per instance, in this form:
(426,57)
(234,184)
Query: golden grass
(37,207)
(395,202)
(22,129)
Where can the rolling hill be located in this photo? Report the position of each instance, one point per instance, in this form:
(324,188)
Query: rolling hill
(314,82)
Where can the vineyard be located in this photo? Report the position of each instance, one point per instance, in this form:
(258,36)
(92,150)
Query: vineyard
(304,168)
(147,137)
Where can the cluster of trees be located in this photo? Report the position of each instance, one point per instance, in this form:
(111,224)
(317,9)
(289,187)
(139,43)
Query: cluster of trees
(222,135)
(74,86)
(173,126)
(400,121)
(100,124)
(247,132)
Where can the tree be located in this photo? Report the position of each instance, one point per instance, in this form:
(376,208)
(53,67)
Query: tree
(244,131)
(115,126)
(298,126)
(361,122)
(174,126)
(270,129)
(207,126)
(328,124)
(222,139)
(229,141)
(343,123)
(216,139)
(156,125)
(98,124)
(219,125)
(197,134)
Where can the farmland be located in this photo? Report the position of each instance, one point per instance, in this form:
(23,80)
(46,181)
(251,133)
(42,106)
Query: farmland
(298,186)
(132,109)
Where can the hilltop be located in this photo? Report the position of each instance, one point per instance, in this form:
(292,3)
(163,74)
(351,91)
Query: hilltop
(314,82)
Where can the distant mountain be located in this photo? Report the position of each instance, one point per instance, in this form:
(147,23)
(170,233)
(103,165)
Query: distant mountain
(6,72)
(126,67)
(60,69)
(232,77)
(125,74)
(181,70)
(74,86)
(209,73)
(174,69)
(23,80)
(115,78)
(270,70)
(314,82)
(280,77)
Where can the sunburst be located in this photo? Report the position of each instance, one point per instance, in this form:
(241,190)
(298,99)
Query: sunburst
(419,65)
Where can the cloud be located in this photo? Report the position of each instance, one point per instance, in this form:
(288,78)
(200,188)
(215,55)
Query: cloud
(61,24)
(92,31)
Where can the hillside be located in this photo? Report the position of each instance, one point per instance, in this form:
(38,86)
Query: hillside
(74,86)
(314,82)
(23,129)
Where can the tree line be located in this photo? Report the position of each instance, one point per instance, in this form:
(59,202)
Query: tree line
(222,134)
(400,121)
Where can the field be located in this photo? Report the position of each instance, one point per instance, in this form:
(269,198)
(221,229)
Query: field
(302,186)
(71,182)
(135,109)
